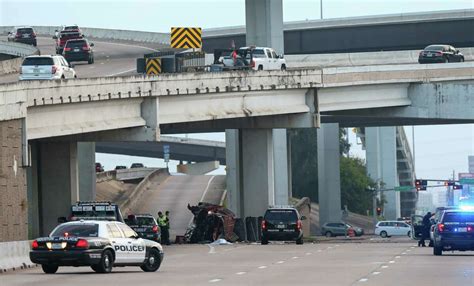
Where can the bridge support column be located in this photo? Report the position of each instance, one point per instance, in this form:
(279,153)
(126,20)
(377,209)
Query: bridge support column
(264,23)
(254,178)
(329,173)
(381,156)
(87,175)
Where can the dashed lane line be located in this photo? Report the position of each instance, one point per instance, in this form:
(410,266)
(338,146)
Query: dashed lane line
(240,273)
(215,280)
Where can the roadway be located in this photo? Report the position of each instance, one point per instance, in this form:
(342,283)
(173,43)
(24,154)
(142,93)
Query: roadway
(111,59)
(399,263)
(174,193)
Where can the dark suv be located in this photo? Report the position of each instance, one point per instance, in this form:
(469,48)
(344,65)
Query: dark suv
(145,225)
(282,223)
(63,37)
(77,50)
(454,231)
(25,35)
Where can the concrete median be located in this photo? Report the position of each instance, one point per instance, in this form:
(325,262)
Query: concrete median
(14,255)
(10,66)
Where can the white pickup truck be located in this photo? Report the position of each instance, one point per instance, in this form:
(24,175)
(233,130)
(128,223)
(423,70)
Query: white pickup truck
(258,58)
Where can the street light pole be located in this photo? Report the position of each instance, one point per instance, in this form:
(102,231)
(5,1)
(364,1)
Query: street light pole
(321,8)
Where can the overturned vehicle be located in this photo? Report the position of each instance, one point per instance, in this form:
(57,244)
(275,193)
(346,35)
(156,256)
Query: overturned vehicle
(210,222)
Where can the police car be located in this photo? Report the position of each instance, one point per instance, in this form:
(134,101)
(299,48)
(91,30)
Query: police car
(454,231)
(98,244)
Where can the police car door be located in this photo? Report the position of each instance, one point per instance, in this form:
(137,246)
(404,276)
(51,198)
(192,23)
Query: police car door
(119,243)
(136,244)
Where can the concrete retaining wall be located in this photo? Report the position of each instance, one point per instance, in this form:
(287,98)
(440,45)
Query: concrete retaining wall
(120,35)
(10,66)
(133,174)
(15,255)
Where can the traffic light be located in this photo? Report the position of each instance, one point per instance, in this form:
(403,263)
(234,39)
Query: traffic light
(420,185)
(379,211)
(457,187)
(449,183)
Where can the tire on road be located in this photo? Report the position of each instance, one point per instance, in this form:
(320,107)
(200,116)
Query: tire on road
(437,250)
(328,234)
(106,262)
(383,234)
(49,268)
(153,262)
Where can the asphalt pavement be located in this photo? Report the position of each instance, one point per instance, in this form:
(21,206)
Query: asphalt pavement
(111,59)
(391,263)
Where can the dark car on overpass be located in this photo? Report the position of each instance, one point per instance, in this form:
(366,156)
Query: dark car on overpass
(24,35)
(440,54)
(77,50)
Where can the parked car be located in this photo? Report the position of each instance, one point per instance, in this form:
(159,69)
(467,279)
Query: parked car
(99,168)
(145,225)
(46,68)
(256,58)
(25,35)
(137,165)
(330,229)
(77,50)
(440,54)
(283,224)
(392,228)
(454,231)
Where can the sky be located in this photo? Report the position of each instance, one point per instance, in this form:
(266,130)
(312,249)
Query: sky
(439,149)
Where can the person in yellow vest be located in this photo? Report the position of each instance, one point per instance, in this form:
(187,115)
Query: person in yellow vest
(163,224)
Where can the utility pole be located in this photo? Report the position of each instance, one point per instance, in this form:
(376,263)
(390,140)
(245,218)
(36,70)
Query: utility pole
(321,8)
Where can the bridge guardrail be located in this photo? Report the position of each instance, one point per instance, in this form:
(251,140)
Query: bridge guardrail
(18,49)
(111,34)
(10,66)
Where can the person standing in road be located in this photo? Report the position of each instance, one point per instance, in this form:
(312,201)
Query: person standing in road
(425,234)
(167,216)
(163,224)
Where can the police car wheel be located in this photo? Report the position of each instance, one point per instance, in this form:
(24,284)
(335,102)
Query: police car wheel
(153,262)
(299,241)
(105,264)
(49,268)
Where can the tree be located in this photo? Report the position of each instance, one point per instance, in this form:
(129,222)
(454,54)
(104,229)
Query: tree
(355,185)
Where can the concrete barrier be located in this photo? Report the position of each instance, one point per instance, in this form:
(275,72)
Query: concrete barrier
(15,255)
(17,49)
(133,174)
(106,176)
(10,66)
(362,59)
(304,208)
(129,204)
(110,34)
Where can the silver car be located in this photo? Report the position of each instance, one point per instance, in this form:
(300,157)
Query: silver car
(46,68)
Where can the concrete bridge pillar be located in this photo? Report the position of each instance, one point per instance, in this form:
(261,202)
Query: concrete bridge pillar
(329,173)
(255,179)
(61,174)
(381,154)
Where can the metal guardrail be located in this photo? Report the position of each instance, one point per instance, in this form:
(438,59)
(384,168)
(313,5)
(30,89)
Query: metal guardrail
(17,49)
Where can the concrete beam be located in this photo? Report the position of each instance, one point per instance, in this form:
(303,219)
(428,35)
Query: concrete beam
(201,168)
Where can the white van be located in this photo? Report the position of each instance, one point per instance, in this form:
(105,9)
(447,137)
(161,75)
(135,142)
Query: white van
(390,228)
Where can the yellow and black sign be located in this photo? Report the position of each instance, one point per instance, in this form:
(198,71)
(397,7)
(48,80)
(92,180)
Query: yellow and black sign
(186,38)
(153,65)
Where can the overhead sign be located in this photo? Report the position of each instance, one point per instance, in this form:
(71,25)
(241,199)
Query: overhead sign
(403,189)
(166,153)
(186,38)
(466,178)
(153,66)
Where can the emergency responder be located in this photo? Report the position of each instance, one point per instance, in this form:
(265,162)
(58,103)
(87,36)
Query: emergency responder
(425,234)
(163,224)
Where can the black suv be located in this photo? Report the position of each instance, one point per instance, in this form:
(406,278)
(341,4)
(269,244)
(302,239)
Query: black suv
(282,223)
(454,231)
(145,225)
(77,50)
(25,35)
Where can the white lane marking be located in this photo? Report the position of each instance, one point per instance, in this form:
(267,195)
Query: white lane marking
(319,250)
(404,253)
(295,257)
(396,257)
(280,262)
(308,253)
(262,267)
(240,273)
(375,273)
(363,280)
(122,72)
(391,261)
(102,63)
(337,245)
(214,280)
(412,247)
(384,266)
(408,250)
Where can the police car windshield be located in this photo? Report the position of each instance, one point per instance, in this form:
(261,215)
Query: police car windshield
(460,217)
(78,230)
(281,215)
(145,221)
(95,213)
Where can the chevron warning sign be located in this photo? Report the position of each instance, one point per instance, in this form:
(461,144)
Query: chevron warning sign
(153,65)
(186,38)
